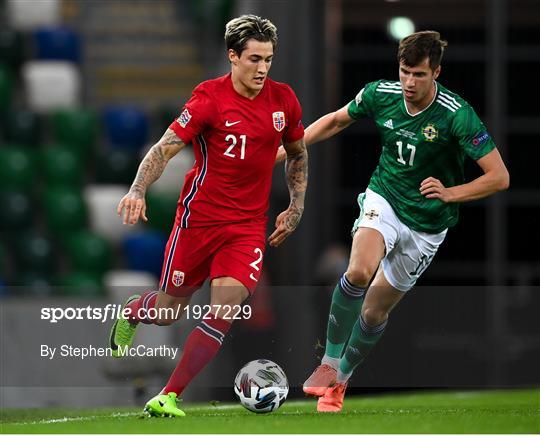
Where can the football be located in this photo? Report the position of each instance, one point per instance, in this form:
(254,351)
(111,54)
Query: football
(261,386)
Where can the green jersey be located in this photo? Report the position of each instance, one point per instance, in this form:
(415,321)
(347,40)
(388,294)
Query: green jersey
(431,143)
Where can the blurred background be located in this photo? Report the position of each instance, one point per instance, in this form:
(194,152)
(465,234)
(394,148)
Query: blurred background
(86,87)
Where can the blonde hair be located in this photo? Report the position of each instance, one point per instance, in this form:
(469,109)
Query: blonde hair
(241,29)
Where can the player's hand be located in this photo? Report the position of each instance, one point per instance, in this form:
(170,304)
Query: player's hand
(133,207)
(286,222)
(433,188)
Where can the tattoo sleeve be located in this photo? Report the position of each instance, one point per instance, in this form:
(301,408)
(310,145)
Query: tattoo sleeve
(296,175)
(154,162)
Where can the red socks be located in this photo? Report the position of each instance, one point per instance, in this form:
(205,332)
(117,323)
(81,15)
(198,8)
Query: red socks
(201,346)
(140,307)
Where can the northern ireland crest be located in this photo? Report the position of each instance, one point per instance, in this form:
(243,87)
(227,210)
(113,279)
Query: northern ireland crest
(430,132)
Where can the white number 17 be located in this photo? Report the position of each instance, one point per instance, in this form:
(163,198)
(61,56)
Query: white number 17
(400,153)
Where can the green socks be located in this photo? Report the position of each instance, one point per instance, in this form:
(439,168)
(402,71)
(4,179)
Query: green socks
(362,340)
(347,302)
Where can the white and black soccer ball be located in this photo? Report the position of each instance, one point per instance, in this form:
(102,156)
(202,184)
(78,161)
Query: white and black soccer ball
(261,386)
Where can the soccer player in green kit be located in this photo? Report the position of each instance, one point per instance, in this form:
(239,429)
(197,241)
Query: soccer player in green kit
(412,198)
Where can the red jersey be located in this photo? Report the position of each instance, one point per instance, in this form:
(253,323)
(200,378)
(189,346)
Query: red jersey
(235,141)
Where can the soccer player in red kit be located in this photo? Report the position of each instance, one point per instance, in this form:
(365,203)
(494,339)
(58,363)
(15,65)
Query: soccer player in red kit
(236,124)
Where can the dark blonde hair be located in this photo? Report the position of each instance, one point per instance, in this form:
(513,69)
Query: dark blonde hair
(414,48)
(239,30)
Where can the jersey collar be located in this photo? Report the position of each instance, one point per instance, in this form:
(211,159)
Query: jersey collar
(426,108)
(240,96)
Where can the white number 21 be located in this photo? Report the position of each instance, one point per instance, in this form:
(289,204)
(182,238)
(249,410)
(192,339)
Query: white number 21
(233,141)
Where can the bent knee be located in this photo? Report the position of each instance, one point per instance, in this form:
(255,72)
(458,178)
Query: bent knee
(359,276)
(228,295)
(374,316)
(166,304)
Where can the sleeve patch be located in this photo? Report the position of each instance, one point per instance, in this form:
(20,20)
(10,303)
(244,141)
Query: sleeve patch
(184,118)
(480,139)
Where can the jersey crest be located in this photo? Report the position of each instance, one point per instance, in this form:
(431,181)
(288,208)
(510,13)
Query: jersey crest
(430,132)
(178,278)
(279,120)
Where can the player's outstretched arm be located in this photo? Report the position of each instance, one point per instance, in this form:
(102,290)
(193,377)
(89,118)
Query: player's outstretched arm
(494,179)
(133,204)
(324,128)
(296,174)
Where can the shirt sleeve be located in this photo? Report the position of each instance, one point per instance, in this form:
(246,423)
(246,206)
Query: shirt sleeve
(195,117)
(294,129)
(471,134)
(363,103)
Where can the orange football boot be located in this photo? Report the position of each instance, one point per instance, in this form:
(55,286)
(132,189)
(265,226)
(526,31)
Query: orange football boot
(322,378)
(332,401)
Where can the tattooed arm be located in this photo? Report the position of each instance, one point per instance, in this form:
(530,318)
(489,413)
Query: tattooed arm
(296,174)
(133,204)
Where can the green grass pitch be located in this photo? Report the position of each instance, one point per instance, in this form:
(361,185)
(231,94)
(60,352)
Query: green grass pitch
(516,411)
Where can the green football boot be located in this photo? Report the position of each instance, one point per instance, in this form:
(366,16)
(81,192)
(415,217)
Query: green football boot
(122,332)
(163,405)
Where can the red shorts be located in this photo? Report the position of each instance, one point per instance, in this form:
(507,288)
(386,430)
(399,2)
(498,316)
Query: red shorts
(194,254)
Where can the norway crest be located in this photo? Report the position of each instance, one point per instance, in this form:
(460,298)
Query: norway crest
(177,278)
(279,120)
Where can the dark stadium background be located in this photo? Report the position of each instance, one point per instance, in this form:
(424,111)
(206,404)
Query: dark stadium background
(472,320)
